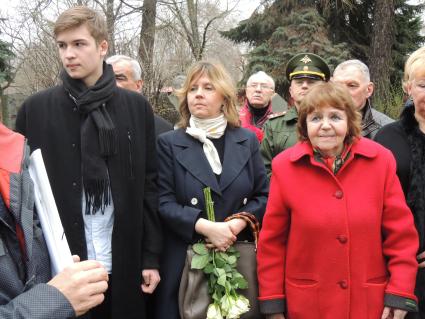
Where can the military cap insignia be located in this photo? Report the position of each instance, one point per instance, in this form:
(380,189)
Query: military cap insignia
(307,65)
(305,59)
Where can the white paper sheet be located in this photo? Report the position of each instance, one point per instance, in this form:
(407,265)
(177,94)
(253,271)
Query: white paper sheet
(60,254)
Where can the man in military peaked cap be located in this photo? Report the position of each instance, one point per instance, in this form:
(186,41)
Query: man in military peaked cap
(302,71)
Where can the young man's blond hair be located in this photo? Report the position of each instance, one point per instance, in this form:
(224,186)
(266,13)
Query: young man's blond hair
(80,15)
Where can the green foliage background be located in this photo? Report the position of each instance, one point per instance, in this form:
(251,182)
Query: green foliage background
(6,56)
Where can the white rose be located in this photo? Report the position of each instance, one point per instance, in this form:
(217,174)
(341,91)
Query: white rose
(234,313)
(239,307)
(226,302)
(214,312)
(242,303)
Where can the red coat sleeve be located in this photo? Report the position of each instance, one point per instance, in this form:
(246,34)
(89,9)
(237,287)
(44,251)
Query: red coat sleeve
(272,245)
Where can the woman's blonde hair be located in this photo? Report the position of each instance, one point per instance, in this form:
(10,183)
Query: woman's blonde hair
(329,94)
(415,61)
(222,83)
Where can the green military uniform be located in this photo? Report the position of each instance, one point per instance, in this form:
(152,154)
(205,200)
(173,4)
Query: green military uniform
(280,131)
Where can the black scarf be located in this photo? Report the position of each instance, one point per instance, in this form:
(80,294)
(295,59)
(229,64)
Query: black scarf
(259,115)
(98,135)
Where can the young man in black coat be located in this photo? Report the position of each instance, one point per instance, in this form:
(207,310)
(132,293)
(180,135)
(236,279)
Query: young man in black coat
(98,145)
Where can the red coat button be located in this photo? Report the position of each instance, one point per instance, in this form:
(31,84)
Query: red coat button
(339,194)
(343,284)
(342,239)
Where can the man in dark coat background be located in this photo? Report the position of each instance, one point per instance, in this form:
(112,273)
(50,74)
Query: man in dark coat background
(354,74)
(129,75)
(98,145)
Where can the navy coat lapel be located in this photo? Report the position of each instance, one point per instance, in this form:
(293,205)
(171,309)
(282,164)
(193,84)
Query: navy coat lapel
(193,159)
(236,155)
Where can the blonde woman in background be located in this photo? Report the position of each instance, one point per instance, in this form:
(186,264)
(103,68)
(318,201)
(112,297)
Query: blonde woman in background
(406,140)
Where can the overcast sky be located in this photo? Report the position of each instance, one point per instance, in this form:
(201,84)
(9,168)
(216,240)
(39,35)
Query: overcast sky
(243,10)
(246,7)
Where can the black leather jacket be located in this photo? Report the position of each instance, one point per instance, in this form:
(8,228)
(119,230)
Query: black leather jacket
(372,121)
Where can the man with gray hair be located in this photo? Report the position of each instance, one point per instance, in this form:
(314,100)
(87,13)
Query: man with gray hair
(354,74)
(258,106)
(128,75)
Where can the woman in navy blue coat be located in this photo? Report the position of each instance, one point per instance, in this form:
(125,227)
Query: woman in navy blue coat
(208,149)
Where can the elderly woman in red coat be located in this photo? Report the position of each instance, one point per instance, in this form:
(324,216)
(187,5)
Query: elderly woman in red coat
(338,240)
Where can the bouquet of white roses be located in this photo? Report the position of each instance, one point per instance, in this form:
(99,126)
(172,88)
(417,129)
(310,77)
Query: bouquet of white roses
(223,278)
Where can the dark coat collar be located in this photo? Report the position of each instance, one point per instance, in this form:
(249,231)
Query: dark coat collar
(192,158)
(369,124)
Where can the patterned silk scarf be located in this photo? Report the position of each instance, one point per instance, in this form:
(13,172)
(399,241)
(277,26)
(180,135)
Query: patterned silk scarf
(334,163)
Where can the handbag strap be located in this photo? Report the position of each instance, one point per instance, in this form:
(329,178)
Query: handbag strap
(251,220)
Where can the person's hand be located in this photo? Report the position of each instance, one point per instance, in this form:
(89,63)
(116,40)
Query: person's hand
(420,257)
(218,234)
(276,316)
(392,313)
(83,284)
(237,225)
(151,279)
